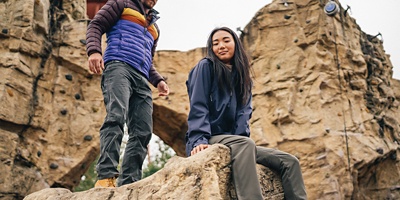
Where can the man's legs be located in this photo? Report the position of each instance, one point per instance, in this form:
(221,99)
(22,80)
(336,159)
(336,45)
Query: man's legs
(115,87)
(289,168)
(243,158)
(140,124)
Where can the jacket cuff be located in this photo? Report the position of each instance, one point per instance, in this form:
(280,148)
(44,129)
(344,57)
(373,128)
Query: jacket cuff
(200,141)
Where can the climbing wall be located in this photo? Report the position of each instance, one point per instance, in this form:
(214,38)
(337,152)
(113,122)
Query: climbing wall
(51,107)
(324,92)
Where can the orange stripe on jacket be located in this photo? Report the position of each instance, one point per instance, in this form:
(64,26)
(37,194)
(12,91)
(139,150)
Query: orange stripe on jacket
(135,17)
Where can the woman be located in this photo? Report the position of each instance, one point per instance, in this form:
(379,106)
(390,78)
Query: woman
(219,89)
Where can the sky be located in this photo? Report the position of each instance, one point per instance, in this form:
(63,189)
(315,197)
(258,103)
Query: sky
(186,24)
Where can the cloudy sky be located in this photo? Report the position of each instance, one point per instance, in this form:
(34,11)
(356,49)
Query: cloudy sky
(185,24)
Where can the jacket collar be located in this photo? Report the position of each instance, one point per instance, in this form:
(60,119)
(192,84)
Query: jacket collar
(154,16)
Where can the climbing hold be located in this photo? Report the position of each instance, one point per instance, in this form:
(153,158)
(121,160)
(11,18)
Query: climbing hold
(287,16)
(88,137)
(331,8)
(39,153)
(77,96)
(53,166)
(4,31)
(82,41)
(63,111)
(379,150)
(327,130)
(68,77)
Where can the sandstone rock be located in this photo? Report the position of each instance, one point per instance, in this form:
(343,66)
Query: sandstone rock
(203,176)
(42,124)
(316,73)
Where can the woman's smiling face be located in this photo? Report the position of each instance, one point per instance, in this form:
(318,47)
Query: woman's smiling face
(223,46)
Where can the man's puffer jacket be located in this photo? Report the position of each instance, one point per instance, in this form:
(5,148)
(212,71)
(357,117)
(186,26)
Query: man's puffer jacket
(130,38)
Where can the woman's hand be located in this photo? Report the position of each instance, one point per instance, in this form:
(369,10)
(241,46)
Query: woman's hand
(199,148)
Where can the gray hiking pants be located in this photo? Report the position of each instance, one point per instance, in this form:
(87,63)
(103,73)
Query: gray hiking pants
(128,99)
(244,156)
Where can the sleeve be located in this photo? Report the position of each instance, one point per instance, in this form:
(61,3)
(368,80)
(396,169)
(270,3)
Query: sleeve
(104,19)
(199,87)
(243,116)
(154,76)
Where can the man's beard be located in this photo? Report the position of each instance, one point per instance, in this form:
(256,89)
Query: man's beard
(146,6)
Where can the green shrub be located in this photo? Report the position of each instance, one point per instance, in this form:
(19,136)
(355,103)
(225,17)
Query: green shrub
(164,154)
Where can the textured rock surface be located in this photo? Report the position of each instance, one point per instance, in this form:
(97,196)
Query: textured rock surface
(318,80)
(51,108)
(204,176)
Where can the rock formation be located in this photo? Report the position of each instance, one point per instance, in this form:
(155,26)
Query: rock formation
(323,92)
(51,107)
(203,176)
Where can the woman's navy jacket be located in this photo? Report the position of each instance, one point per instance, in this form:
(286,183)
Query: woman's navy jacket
(213,111)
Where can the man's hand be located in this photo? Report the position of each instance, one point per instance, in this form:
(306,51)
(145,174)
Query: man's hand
(96,63)
(199,148)
(163,89)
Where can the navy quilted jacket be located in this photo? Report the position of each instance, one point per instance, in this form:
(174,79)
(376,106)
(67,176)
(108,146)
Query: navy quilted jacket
(213,111)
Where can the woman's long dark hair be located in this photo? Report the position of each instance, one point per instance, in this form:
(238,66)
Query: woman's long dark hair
(240,65)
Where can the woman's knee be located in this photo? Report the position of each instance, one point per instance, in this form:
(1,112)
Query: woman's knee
(291,161)
(249,142)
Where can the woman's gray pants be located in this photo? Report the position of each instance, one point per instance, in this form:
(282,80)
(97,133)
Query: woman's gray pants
(128,99)
(244,156)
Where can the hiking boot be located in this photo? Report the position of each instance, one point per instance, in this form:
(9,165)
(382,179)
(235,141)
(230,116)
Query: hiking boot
(105,183)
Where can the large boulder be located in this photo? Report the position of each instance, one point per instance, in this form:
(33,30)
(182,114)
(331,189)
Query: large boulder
(203,176)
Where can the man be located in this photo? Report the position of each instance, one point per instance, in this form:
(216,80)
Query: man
(132,36)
